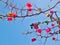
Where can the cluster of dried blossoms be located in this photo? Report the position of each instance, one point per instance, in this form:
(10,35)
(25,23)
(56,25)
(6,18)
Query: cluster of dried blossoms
(10,15)
(48,31)
(35,27)
(39,31)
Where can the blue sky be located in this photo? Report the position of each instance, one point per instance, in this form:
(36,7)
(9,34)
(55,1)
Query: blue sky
(11,32)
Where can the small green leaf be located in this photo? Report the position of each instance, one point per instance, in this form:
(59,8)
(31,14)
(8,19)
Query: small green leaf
(38,23)
(0,16)
(31,27)
(46,22)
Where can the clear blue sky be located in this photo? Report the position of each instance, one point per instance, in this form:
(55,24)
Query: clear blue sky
(11,32)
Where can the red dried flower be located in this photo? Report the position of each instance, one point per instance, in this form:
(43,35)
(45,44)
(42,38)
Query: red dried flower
(33,39)
(52,24)
(9,19)
(29,9)
(54,38)
(39,31)
(28,4)
(51,11)
(48,30)
(35,26)
(14,15)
